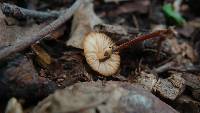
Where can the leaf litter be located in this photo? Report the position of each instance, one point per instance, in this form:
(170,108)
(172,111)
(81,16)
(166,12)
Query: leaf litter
(50,74)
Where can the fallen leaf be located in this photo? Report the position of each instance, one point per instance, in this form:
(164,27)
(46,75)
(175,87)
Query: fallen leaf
(83,22)
(146,79)
(43,57)
(183,49)
(170,87)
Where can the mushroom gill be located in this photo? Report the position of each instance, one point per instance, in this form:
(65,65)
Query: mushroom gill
(98,53)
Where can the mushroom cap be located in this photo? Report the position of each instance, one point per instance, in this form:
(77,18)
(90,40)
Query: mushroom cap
(95,47)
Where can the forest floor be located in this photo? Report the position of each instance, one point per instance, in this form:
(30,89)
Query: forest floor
(152,66)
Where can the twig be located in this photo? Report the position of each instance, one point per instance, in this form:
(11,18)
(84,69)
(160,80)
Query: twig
(27,41)
(188,69)
(19,13)
(164,67)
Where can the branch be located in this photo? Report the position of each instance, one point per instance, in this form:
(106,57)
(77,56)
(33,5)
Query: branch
(18,12)
(18,46)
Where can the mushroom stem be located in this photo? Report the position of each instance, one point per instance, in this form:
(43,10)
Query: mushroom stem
(159,33)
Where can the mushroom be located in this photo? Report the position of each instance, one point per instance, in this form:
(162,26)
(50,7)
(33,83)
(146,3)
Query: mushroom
(99,55)
(103,55)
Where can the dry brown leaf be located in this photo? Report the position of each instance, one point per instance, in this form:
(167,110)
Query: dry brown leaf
(146,79)
(83,22)
(43,57)
(170,87)
(183,49)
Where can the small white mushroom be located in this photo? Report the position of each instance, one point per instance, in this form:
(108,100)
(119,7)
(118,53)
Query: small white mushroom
(98,53)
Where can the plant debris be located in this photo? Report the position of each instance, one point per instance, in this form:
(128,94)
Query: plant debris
(83,22)
(14,106)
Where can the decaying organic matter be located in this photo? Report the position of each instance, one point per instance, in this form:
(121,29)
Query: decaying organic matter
(171,87)
(18,46)
(83,22)
(99,56)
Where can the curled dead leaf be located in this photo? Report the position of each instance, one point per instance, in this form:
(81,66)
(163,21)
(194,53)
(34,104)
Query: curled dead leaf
(83,22)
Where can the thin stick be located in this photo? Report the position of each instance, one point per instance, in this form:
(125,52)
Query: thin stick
(27,41)
(19,12)
(164,67)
